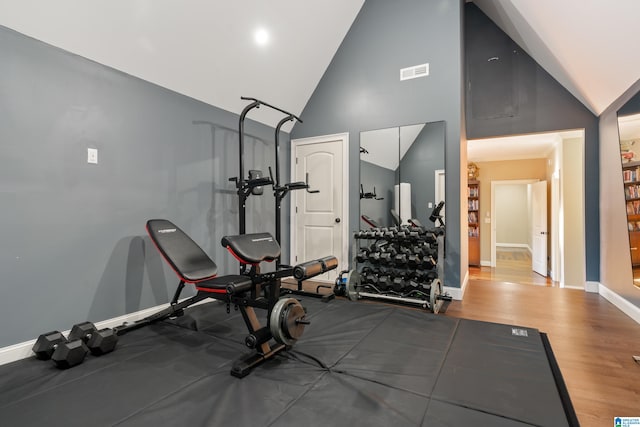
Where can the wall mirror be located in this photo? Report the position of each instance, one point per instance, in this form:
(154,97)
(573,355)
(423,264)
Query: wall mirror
(401,173)
(629,132)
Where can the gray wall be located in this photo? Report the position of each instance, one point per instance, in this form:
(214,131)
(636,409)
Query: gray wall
(74,246)
(615,265)
(514,95)
(418,167)
(361,90)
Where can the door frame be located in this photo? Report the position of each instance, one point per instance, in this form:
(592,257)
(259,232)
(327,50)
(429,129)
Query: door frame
(493,210)
(344,138)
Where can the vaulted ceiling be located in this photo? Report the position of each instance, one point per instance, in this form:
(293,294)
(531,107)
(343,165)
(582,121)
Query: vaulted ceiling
(207,49)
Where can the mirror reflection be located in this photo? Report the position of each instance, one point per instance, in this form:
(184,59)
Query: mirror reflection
(629,128)
(401,174)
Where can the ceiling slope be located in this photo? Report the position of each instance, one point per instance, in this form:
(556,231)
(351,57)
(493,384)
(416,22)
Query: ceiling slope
(586,45)
(204,49)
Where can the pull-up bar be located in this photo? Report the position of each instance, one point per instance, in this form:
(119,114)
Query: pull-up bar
(242,185)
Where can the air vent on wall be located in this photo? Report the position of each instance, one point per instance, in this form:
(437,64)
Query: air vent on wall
(414,72)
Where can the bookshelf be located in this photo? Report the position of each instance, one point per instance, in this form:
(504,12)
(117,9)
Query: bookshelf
(631,178)
(473,201)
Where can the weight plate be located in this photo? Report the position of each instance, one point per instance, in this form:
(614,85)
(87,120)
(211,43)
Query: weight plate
(436,291)
(353,284)
(283,321)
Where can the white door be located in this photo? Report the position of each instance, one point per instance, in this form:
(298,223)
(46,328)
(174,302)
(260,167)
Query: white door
(439,192)
(320,220)
(539,227)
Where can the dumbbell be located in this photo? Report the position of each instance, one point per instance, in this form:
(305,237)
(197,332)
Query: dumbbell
(413,260)
(370,279)
(392,250)
(64,353)
(385,258)
(99,342)
(400,259)
(363,254)
(414,236)
(427,250)
(374,257)
(384,282)
(428,263)
(429,237)
(398,284)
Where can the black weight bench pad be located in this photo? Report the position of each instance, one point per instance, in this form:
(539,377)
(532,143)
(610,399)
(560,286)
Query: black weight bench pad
(252,248)
(193,265)
(236,282)
(184,255)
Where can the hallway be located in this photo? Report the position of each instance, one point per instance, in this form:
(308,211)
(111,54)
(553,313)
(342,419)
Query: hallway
(513,265)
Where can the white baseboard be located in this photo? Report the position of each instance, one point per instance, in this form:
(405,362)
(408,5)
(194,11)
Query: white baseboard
(593,287)
(513,245)
(457,293)
(485,263)
(625,306)
(23,350)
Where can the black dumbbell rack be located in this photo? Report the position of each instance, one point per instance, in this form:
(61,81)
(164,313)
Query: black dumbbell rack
(400,264)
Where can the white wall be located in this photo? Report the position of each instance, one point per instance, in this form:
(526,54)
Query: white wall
(573,208)
(512,215)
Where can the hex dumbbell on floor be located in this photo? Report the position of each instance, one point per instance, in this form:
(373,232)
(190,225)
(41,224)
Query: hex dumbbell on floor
(64,353)
(99,342)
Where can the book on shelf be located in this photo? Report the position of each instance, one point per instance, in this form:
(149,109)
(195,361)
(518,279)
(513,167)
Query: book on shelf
(633,207)
(630,175)
(632,192)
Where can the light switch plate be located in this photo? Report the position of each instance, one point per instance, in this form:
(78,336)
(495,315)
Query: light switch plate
(92,155)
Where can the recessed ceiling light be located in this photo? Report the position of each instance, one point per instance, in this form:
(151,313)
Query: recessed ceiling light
(261,36)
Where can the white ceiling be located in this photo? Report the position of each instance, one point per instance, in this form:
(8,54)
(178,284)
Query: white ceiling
(205,48)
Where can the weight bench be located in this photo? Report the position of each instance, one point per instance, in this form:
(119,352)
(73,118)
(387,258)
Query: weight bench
(286,318)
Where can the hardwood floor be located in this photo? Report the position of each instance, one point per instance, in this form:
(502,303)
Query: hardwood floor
(514,265)
(592,340)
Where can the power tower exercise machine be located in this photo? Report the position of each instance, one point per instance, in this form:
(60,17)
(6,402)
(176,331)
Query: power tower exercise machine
(255,181)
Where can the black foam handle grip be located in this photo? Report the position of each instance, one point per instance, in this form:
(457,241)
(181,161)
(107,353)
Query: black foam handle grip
(307,269)
(310,269)
(236,288)
(329,263)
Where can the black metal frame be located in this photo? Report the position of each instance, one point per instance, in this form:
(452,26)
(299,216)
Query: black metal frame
(257,338)
(245,186)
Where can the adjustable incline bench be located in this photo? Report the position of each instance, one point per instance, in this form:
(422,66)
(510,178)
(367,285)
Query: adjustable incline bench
(286,318)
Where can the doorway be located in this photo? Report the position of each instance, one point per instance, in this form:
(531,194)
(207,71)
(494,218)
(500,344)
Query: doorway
(558,159)
(319,219)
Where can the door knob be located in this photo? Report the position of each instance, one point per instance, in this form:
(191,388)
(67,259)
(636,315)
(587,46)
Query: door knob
(337,220)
